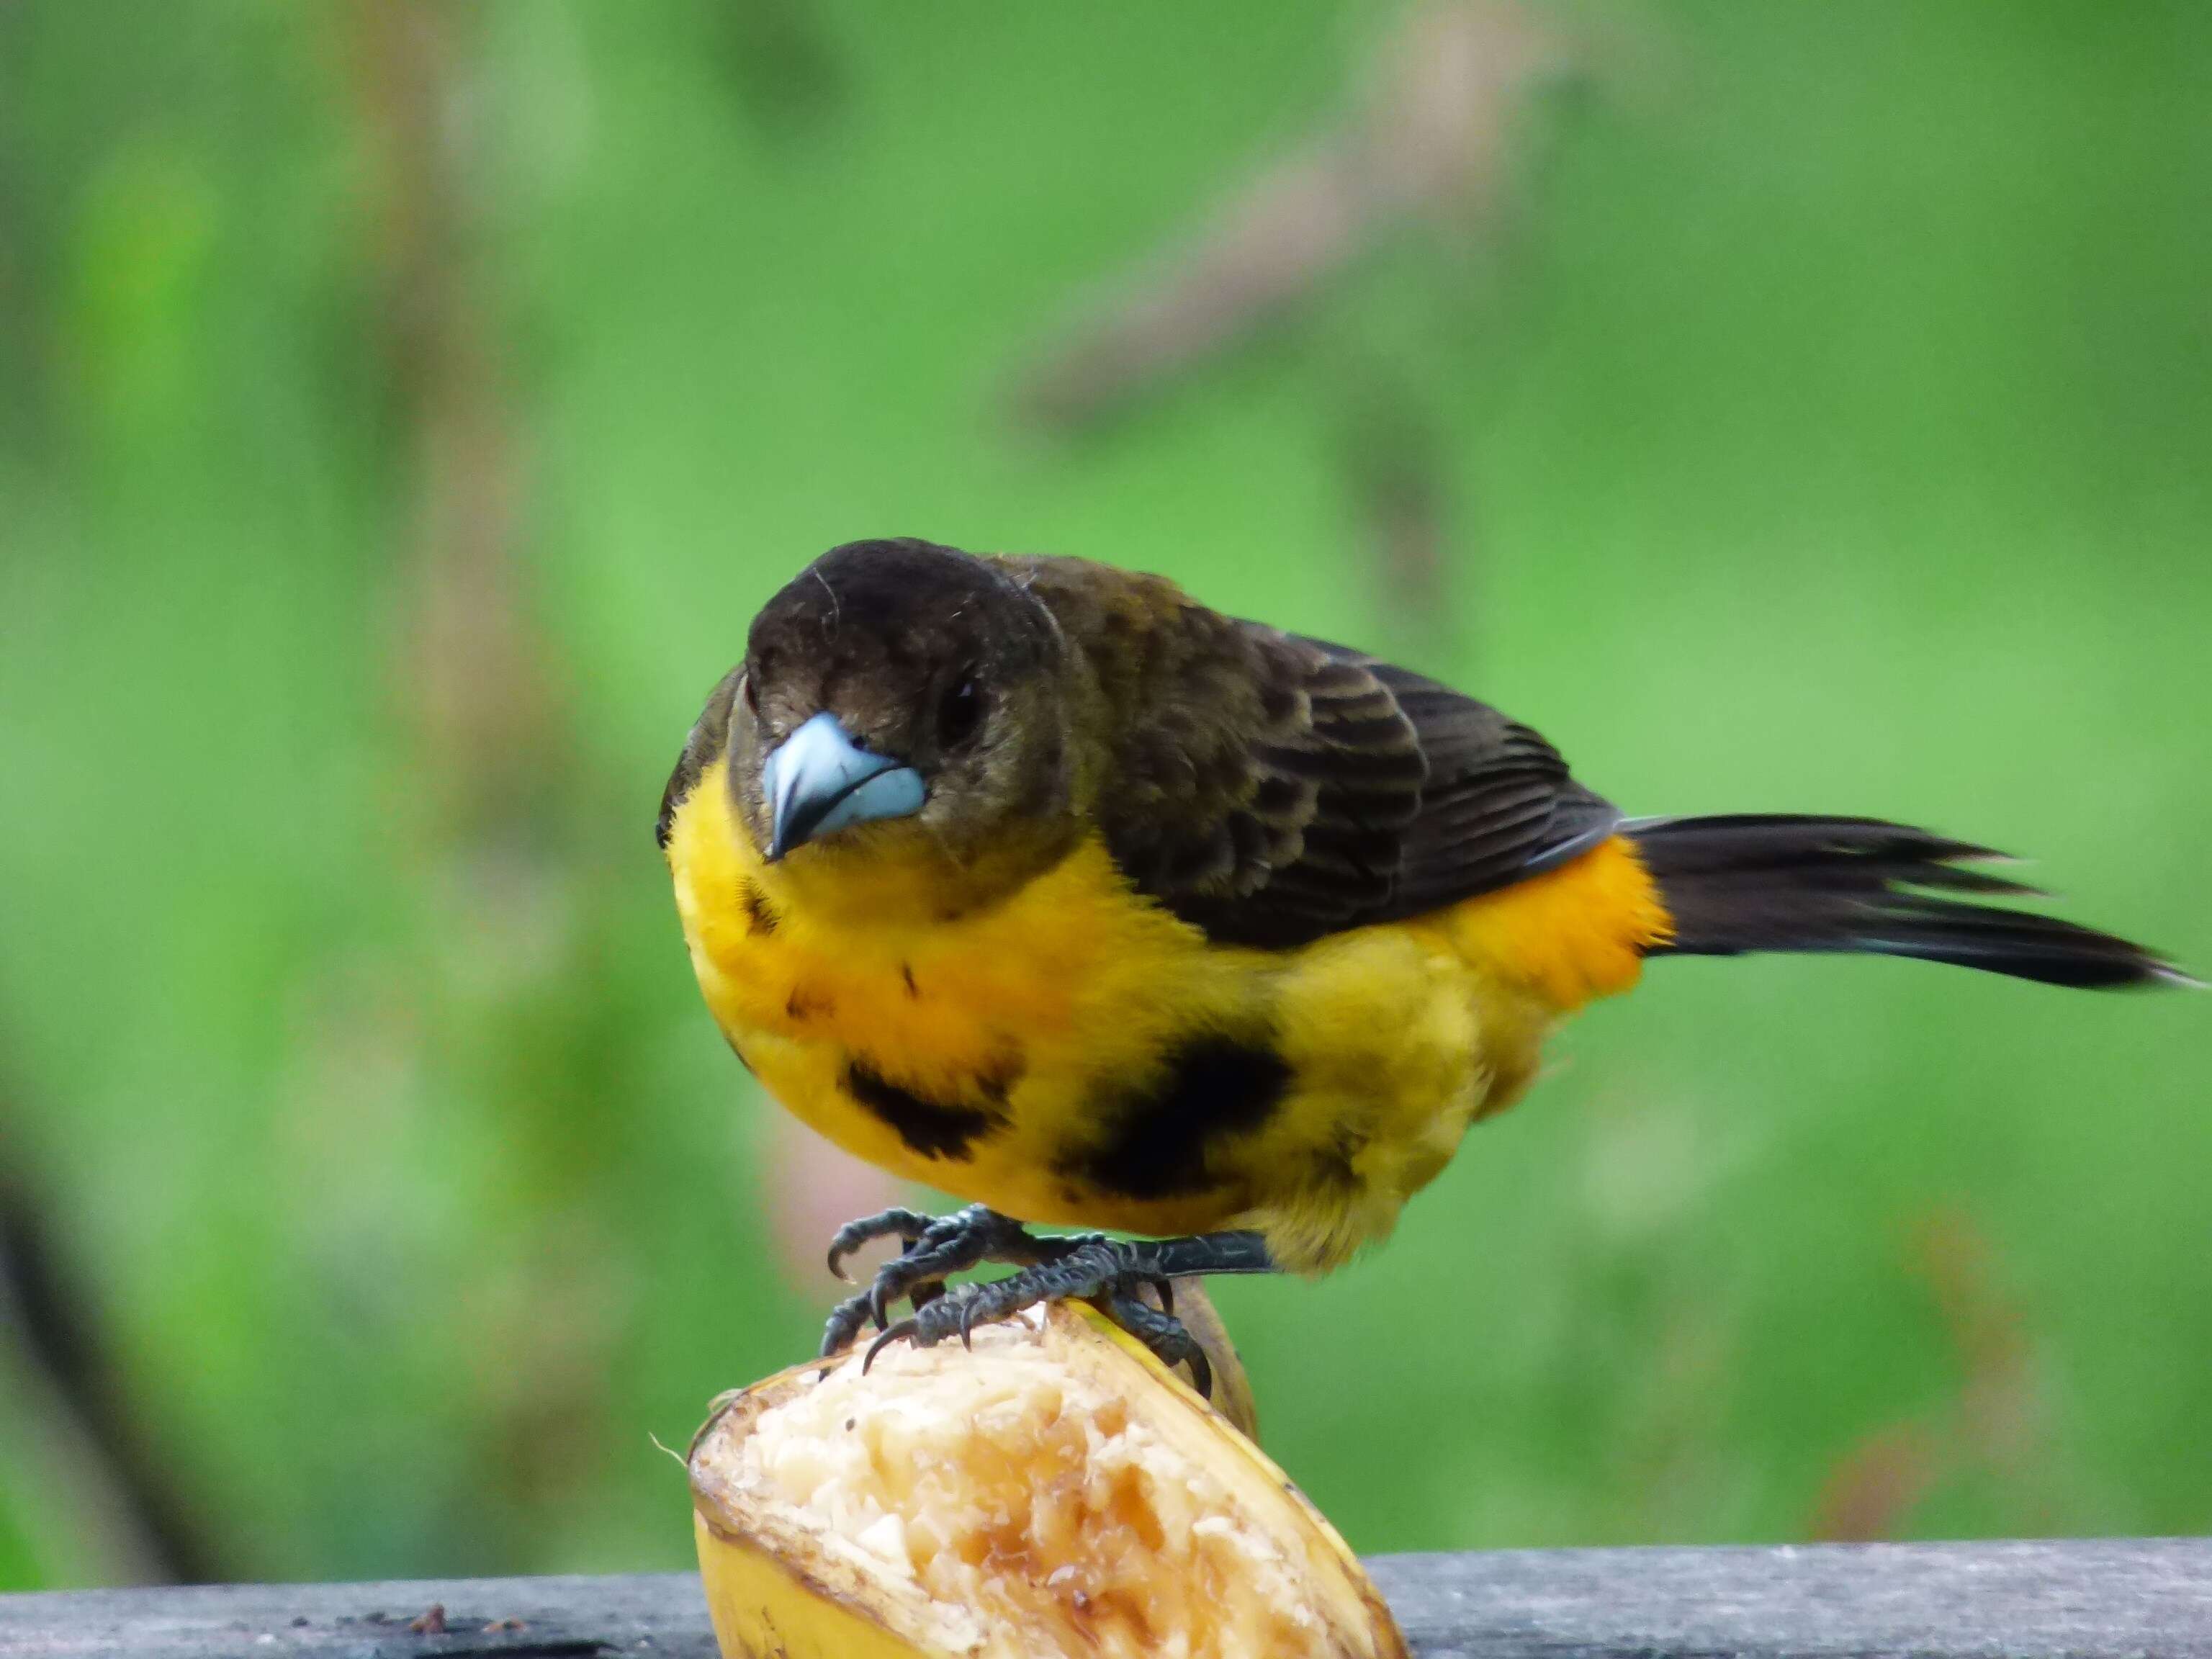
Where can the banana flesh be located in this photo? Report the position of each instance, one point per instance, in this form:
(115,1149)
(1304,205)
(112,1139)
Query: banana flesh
(1055,1492)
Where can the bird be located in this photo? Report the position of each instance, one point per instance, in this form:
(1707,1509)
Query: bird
(1036,881)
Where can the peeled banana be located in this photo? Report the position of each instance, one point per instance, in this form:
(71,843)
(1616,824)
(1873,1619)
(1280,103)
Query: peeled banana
(1055,1492)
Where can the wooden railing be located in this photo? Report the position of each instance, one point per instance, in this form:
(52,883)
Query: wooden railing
(2022,1600)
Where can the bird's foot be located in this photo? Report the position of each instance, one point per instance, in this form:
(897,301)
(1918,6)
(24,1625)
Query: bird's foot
(1106,1272)
(935,1247)
(1111,1274)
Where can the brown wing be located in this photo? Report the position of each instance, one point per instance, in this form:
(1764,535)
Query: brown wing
(1321,789)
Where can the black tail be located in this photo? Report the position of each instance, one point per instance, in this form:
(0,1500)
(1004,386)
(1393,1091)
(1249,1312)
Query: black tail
(1777,883)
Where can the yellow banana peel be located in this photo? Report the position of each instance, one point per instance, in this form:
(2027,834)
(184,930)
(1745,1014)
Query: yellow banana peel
(1055,1492)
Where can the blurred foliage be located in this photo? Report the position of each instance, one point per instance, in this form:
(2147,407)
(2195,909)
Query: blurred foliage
(403,408)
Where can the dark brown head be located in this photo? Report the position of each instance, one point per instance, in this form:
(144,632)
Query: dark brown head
(898,689)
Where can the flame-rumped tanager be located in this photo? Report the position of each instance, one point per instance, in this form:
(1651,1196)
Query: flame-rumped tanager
(1036,881)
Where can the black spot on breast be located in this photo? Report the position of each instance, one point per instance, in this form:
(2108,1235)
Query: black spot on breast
(906,973)
(997,1081)
(934,1128)
(760,914)
(804,1003)
(1210,1088)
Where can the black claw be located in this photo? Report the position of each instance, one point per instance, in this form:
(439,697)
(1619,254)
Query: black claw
(905,1327)
(1201,1372)
(904,1224)
(845,1323)
(1170,1343)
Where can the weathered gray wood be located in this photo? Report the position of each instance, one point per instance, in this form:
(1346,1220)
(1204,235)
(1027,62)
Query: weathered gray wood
(660,1615)
(2147,1597)
(2150,1598)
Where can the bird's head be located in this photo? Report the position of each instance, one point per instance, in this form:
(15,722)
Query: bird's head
(900,697)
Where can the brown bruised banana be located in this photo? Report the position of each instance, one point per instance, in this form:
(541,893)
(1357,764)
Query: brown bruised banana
(1056,1491)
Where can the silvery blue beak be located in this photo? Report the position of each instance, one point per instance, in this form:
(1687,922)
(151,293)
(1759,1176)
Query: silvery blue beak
(819,780)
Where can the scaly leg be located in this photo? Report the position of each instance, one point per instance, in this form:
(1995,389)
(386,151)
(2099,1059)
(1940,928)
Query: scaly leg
(1105,1271)
(935,1247)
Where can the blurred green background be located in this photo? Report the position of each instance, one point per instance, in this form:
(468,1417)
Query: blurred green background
(403,408)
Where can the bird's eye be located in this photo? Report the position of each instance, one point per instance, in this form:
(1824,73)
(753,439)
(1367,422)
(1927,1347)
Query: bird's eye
(960,712)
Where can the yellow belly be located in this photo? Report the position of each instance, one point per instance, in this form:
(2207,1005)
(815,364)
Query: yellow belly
(1077,1055)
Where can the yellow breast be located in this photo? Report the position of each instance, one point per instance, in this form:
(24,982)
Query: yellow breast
(1077,1054)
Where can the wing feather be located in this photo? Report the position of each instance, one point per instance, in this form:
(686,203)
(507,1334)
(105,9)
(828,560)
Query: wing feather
(1354,792)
